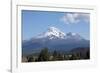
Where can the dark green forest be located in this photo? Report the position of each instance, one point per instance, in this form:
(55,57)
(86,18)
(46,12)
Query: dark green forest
(45,55)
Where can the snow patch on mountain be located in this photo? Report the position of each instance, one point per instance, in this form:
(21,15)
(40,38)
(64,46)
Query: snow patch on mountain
(71,35)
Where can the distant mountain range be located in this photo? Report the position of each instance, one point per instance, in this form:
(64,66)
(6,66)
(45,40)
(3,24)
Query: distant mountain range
(54,39)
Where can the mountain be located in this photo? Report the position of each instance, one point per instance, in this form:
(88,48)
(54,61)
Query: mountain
(52,33)
(54,39)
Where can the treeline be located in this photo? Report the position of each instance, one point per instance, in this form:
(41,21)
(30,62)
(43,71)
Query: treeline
(45,55)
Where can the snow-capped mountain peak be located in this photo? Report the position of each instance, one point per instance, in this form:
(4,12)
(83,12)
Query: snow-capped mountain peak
(52,33)
(53,29)
(55,33)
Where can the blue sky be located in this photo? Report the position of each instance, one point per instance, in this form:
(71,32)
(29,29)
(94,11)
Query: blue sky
(35,22)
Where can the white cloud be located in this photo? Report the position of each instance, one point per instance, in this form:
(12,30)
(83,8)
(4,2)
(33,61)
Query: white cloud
(74,18)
